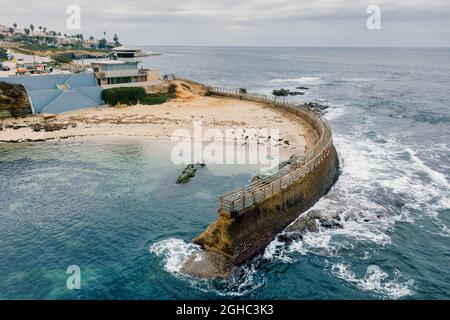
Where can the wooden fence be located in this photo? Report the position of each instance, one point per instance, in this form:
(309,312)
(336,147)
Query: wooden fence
(266,187)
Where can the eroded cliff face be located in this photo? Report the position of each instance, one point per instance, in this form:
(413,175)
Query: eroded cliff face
(240,237)
(14,101)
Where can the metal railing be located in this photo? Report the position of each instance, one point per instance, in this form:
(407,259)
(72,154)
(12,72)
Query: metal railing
(266,187)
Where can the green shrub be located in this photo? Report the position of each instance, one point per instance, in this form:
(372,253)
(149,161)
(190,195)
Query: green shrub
(131,96)
(110,97)
(3,54)
(150,99)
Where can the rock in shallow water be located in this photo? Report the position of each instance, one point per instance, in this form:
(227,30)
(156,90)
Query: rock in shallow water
(286,92)
(189,172)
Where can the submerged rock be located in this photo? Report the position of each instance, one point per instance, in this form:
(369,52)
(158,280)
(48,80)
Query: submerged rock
(286,92)
(189,172)
(320,108)
(312,221)
(280,92)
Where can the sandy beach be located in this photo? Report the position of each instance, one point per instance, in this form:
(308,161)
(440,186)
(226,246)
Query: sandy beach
(160,122)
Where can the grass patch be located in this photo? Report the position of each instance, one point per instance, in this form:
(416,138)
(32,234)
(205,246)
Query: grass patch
(132,96)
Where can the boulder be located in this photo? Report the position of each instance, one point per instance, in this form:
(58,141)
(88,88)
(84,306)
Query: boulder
(286,92)
(320,108)
(311,221)
(189,172)
(281,92)
(296,93)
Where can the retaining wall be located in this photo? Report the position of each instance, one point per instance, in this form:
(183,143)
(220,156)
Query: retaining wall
(247,222)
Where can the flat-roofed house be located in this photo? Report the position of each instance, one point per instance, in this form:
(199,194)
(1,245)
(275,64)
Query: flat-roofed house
(124,52)
(117,72)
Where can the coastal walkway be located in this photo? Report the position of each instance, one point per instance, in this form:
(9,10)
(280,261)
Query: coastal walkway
(257,192)
(250,217)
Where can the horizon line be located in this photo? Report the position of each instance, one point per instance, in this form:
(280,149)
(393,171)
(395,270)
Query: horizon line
(282,46)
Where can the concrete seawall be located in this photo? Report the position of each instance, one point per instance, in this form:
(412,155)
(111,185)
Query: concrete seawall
(249,219)
(242,236)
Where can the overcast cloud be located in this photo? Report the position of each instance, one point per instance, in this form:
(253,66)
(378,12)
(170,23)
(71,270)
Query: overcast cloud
(244,22)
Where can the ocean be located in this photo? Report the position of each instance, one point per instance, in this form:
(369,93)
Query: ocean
(112,208)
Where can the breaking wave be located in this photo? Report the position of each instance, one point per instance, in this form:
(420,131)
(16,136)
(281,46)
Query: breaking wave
(175,252)
(376,280)
(297,80)
(381,183)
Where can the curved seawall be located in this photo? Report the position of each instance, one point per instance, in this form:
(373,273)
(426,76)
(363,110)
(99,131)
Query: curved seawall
(249,218)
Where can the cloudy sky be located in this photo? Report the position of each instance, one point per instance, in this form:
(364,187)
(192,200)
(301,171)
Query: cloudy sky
(244,22)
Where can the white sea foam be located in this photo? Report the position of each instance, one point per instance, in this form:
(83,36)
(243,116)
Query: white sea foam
(297,80)
(334,112)
(376,280)
(175,253)
(381,183)
(437,177)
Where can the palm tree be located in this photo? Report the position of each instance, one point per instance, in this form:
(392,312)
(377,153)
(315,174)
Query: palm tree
(15,25)
(32,27)
(40,28)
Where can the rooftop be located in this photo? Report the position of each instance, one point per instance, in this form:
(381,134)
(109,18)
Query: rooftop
(114,62)
(124,48)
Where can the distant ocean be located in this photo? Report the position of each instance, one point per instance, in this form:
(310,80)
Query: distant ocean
(113,209)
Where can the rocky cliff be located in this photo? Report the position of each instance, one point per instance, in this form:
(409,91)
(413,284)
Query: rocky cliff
(14,101)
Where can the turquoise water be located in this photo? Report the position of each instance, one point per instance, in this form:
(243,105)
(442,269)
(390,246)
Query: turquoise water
(99,206)
(113,209)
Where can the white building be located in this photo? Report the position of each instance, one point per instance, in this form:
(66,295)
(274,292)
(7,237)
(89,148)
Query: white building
(18,31)
(4,30)
(68,41)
